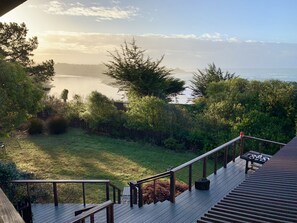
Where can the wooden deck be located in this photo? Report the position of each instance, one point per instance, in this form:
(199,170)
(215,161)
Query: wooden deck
(189,206)
(269,195)
(7,211)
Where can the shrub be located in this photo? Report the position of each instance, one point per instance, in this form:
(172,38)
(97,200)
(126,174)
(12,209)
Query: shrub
(8,172)
(162,191)
(57,125)
(35,126)
(173,144)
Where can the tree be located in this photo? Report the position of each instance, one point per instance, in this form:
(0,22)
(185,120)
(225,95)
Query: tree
(142,76)
(19,97)
(203,78)
(100,110)
(64,95)
(15,47)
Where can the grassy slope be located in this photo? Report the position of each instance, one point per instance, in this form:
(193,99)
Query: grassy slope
(77,155)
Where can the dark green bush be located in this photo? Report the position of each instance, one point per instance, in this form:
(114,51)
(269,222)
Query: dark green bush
(35,126)
(173,144)
(57,125)
(9,172)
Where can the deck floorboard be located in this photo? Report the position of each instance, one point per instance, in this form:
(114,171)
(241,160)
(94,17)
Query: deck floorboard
(189,206)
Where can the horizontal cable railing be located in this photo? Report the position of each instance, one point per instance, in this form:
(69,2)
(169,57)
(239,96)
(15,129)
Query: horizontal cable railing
(116,192)
(136,188)
(90,213)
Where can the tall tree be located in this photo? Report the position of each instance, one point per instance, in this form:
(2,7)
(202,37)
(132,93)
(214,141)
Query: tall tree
(203,78)
(16,47)
(19,97)
(140,75)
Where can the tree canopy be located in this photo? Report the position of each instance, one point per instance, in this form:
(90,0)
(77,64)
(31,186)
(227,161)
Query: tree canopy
(140,75)
(203,78)
(19,97)
(16,47)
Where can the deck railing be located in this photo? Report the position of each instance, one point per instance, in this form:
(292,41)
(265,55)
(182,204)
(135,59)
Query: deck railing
(136,191)
(116,192)
(90,213)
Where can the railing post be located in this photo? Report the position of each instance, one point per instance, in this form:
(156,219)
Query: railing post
(119,196)
(172,186)
(131,194)
(140,196)
(84,193)
(190,177)
(241,143)
(109,214)
(28,193)
(233,151)
(107,191)
(155,198)
(215,163)
(55,193)
(114,194)
(226,157)
(204,167)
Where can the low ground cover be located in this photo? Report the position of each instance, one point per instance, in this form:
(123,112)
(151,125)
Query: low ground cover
(79,155)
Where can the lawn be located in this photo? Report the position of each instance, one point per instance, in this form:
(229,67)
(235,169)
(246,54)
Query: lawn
(79,155)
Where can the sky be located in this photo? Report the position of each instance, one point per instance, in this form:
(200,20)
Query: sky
(189,33)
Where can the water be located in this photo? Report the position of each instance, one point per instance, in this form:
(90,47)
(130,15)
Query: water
(84,85)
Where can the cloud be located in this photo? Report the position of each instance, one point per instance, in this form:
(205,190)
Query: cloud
(100,12)
(184,51)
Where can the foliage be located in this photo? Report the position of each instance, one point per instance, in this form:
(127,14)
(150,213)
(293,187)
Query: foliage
(64,95)
(202,79)
(9,172)
(173,144)
(36,126)
(19,97)
(140,75)
(100,110)
(75,108)
(57,125)
(162,192)
(15,47)
(53,106)
(265,109)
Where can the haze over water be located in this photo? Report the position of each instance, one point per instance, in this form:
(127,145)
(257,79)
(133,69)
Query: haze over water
(84,85)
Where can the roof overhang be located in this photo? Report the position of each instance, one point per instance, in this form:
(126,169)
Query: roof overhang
(7,5)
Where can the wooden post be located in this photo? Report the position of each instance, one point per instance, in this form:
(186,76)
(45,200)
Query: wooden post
(215,163)
(107,191)
(55,194)
(119,196)
(172,186)
(140,196)
(226,157)
(155,197)
(110,214)
(190,177)
(84,193)
(233,151)
(131,193)
(241,143)
(204,167)
(114,194)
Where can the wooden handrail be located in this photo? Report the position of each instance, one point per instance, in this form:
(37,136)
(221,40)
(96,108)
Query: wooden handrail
(7,211)
(108,205)
(83,182)
(265,140)
(232,144)
(206,154)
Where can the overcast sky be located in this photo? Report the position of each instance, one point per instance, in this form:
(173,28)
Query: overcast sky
(190,33)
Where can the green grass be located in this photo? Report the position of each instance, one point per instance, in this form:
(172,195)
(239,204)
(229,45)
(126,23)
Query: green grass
(78,155)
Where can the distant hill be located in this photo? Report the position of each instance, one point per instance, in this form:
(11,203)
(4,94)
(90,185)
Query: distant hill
(86,70)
